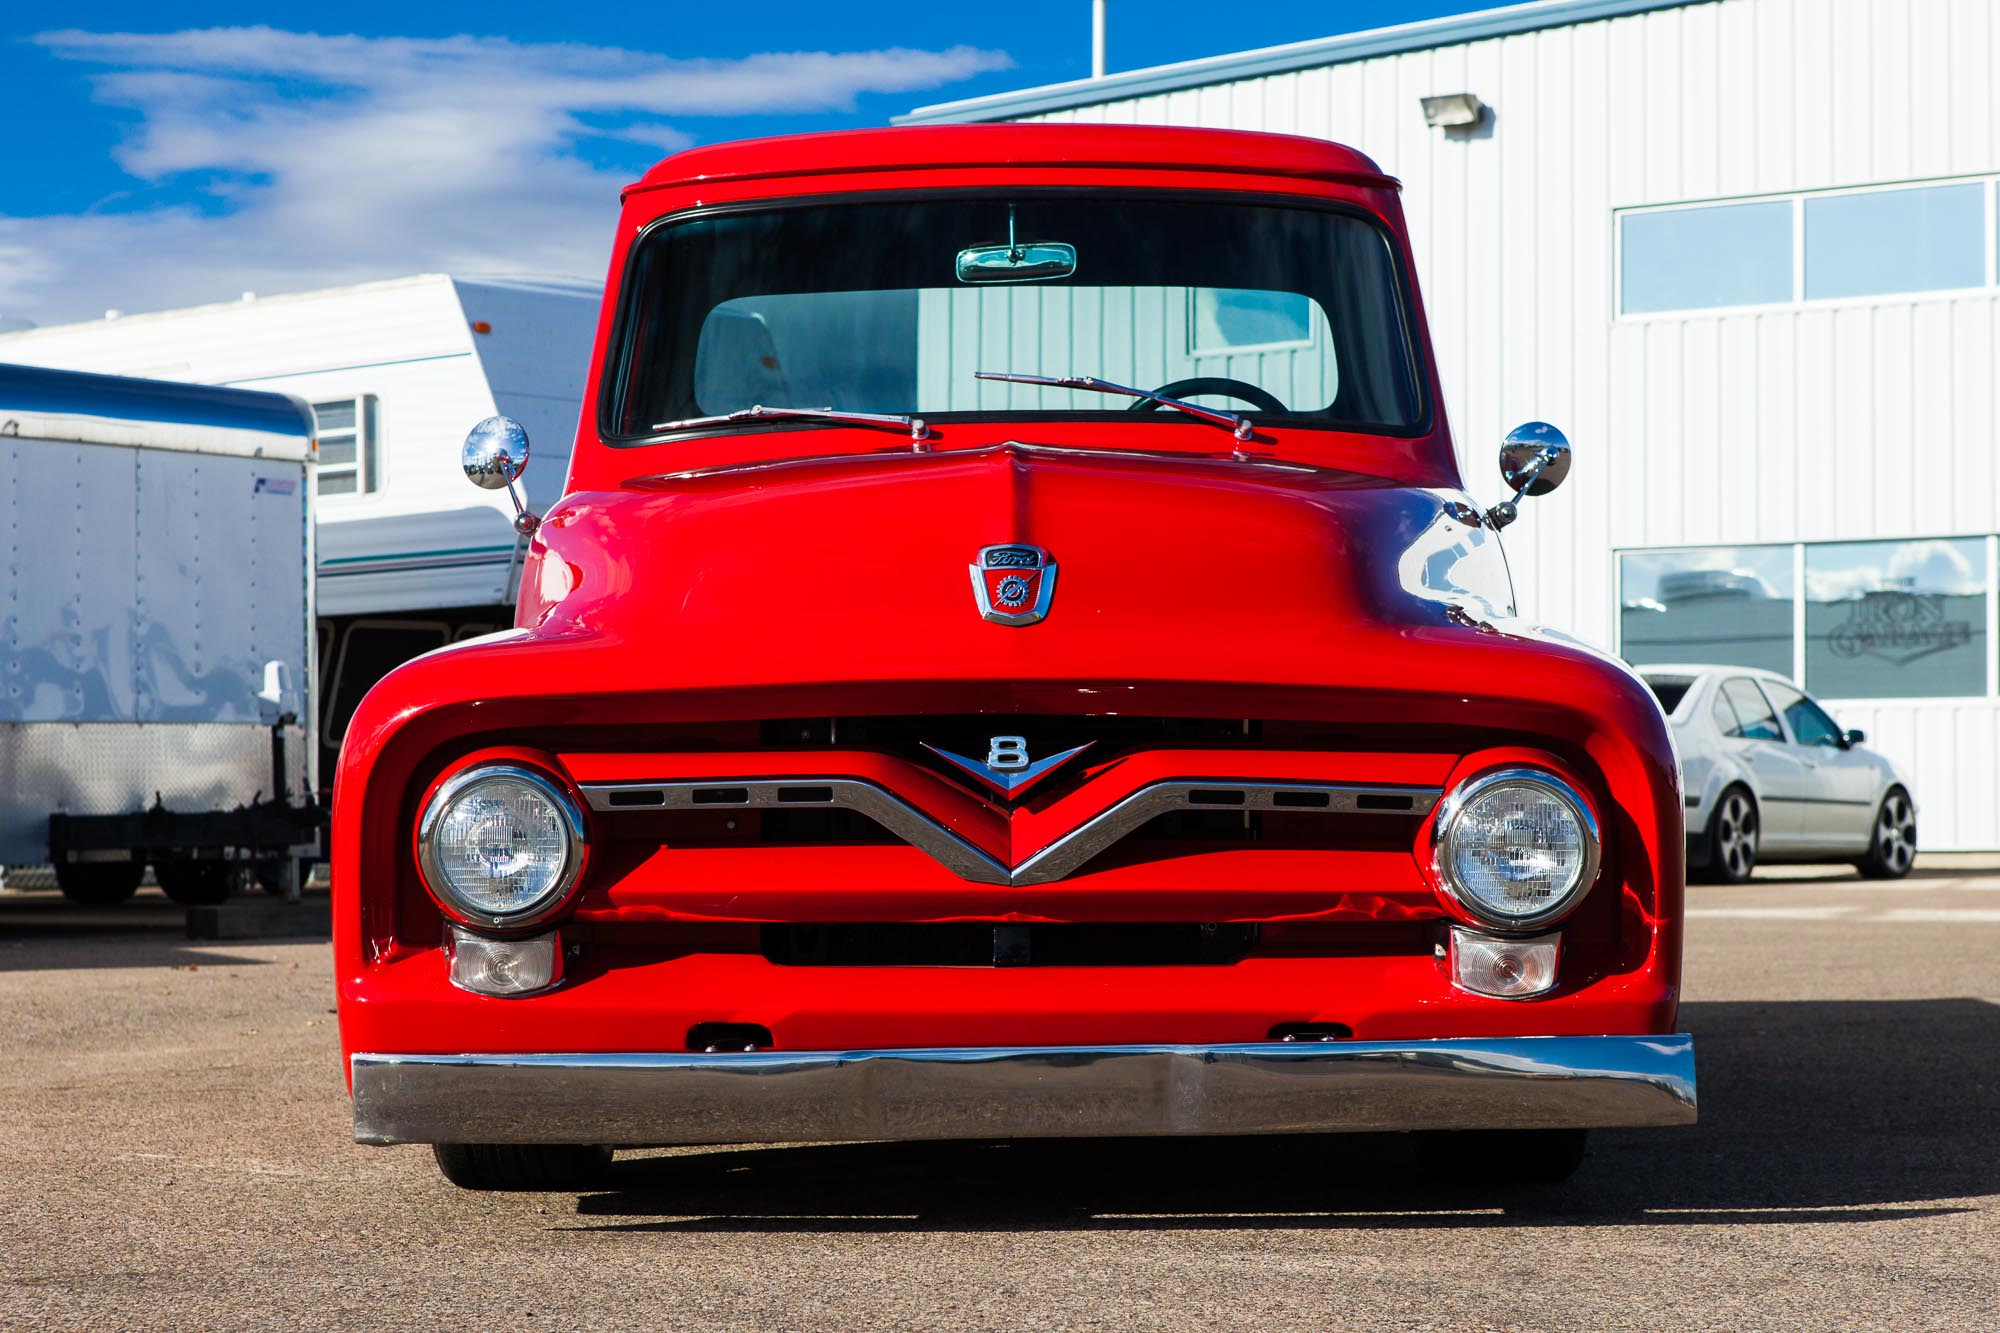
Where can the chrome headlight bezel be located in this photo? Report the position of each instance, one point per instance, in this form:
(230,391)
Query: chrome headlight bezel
(553,899)
(1445,825)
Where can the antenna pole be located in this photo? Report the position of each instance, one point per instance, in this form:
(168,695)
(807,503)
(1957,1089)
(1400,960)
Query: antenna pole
(1096,39)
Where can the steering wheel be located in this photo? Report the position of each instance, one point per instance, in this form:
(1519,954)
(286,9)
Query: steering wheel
(1260,399)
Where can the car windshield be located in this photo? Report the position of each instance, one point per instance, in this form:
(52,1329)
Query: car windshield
(1287,314)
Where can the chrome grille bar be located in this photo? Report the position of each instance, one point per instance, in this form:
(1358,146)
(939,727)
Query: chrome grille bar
(1069,852)
(865,798)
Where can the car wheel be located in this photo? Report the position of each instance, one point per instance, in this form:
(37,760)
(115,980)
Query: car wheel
(1892,848)
(1732,837)
(99,883)
(195,883)
(522,1166)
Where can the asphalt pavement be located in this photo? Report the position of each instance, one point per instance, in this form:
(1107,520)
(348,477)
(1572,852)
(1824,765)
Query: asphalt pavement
(176,1152)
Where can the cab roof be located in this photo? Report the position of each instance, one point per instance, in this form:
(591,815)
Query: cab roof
(1067,145)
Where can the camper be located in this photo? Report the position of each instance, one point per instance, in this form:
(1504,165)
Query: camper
(409,557)
(156,634)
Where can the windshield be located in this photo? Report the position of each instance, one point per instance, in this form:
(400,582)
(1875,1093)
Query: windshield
(1287,314)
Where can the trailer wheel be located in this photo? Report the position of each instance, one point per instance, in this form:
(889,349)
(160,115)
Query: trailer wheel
(195,883)
(99,883)
(270,875)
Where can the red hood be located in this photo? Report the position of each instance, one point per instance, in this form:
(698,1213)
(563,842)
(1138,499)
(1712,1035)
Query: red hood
(856,569)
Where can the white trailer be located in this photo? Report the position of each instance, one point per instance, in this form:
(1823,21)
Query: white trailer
(409,557)
(156,640)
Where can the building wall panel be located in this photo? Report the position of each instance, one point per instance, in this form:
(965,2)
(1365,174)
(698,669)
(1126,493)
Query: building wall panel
(1847,422)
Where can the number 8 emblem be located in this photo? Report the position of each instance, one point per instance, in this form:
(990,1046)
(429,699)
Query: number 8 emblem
(1007,753)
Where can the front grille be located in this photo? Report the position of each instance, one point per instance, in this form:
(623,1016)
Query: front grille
(1005,944)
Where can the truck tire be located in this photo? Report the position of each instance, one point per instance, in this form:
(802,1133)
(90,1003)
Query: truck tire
(195,883)
(99,883)
(522,1166)
(1892,846)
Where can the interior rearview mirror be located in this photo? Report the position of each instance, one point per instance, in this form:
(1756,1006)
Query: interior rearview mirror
(1016,261)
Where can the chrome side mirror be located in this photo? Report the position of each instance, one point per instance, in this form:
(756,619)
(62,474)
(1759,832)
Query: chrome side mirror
(1534,459)
(494,457)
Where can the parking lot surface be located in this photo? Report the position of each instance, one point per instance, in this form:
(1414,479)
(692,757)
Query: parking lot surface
(177,1152)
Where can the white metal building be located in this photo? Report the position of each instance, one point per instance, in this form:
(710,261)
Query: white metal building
(410,556)
(1744,253)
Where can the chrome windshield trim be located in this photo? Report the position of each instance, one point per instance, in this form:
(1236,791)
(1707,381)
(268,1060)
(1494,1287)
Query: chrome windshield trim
(639,1099)
(1236,425)
(914,425)
(1055,861)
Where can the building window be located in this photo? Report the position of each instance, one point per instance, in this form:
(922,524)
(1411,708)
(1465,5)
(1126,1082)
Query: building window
(1896,620)
(1727,604)
(1829,245)
(1882,241)
(347,446)
(1695,258)
(1880,619)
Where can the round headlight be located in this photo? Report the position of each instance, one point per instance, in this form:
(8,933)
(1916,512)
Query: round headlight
(1516,847)
(500,845)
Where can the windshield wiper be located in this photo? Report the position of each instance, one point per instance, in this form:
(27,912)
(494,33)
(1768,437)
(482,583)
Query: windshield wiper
(914,425)
(1238,426)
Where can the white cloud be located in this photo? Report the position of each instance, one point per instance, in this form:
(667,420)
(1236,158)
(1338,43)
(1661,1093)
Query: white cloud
(338,159)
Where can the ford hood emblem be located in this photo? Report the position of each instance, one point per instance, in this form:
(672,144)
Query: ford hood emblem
(1013,584)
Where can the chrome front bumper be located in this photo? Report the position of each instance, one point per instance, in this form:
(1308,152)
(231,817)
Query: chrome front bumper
(1025,1092)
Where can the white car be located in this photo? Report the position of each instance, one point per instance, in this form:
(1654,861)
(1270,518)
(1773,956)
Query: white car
(1768,776)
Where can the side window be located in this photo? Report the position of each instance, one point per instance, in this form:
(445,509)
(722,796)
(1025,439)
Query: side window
(347,446)
(1725,716)
(1809,723)
(1756,720)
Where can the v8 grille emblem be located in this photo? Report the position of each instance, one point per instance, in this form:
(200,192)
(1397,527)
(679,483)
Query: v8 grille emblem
(1008,769)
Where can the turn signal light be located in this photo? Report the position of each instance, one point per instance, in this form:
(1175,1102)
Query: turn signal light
(504,967)
(1511,969)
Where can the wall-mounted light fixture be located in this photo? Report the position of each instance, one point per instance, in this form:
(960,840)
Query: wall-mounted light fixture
(1453,111)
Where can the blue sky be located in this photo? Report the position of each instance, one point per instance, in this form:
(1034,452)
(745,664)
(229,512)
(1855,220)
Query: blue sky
(187,153)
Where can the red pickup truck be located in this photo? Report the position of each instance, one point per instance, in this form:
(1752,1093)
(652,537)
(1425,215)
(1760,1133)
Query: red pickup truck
(1014,657)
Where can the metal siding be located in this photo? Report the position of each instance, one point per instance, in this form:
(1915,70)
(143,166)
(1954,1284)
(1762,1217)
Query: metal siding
(1872,419)
(71,575)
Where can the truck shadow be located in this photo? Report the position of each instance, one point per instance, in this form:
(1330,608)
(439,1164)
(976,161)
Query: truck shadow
(40,930)
(1835,1111)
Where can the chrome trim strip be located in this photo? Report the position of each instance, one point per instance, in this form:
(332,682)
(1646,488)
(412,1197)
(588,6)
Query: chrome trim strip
(1078,846)
(647,1098)
(904,820)
(1053,862)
